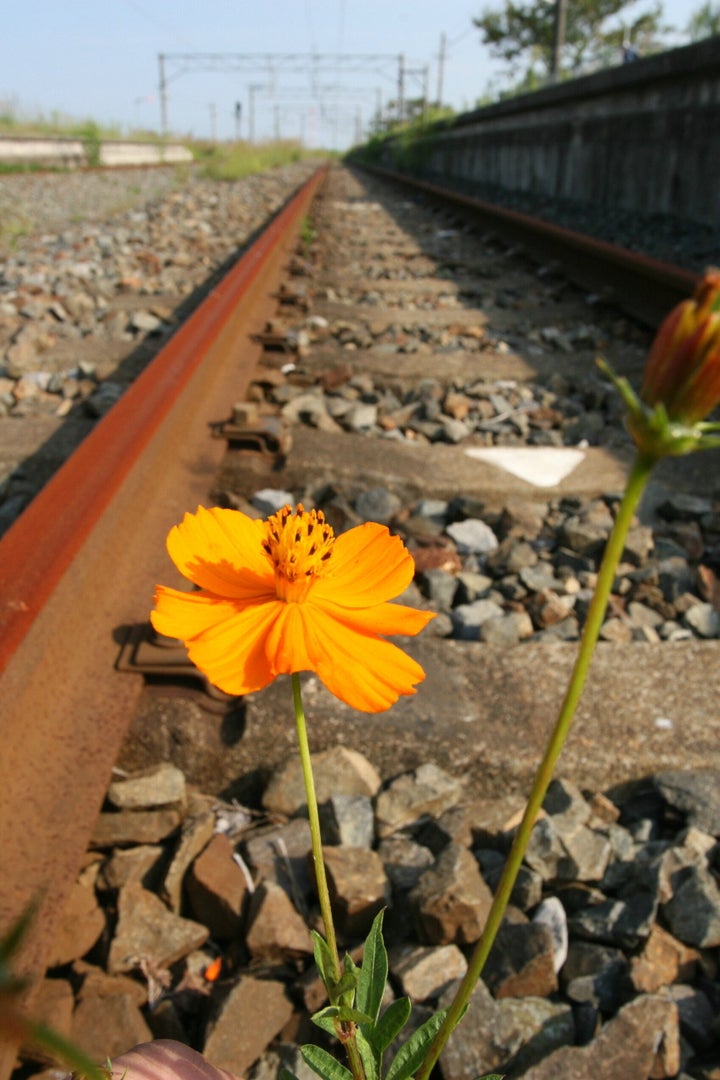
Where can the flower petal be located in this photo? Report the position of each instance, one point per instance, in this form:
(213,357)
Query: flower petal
(368,566)
(286,644)
(366,672)
(221,551)
(381,620)
(225,640)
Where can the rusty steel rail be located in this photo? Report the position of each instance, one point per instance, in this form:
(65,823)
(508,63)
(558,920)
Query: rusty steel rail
(645,288)
(82,561)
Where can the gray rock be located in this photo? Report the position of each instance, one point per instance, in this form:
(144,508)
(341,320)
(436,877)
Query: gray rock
(281,854)
(551,913)
(424,972)
(102,400)
(404,861)
(704,619)
(377,504)
(216,889)
(413,797)
(148,932)
(616,922)
(451,901)
(269,500)
(245,1023)
(695,793)
(157,787)
(472,586)
(521,962)
(693,913)
(126,827)
(145,322)
(508,629)
(468,619)
(348,820)
(439,587)
(472,535)
(358,886)
(361,418)
(197,830)
(275,930)
(567,806)
(539,576)
(626,1046)
(338,771)
(595,974)
(698,1019)
(511,1033)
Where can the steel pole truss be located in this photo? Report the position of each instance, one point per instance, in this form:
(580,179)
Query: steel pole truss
(172,66)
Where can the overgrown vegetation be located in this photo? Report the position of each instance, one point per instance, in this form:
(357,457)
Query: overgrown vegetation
(231,161)
(217,161)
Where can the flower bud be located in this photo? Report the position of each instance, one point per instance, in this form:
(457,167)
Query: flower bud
(683,368)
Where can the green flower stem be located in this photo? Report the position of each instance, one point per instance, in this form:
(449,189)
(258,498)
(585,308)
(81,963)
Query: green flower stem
(349,1042)
(635,486)
(313,815)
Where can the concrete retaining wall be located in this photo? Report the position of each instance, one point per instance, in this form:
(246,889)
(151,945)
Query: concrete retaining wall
(73,153)
(644,136)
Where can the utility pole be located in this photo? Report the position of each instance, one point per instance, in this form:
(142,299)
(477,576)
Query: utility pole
(441,68)
(213,126)
(401,88)
(558,38)
(426,79)
(251,111)
(238,120)
(162,93)
(277,123)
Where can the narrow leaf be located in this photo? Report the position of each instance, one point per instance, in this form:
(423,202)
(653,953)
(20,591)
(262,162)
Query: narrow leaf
(369,1056)
(374,970)
(410,1056)
(323,958)
(324,1064)
(346,985)
(325,1018)
(492,1076)
(392,1021)
(285,1074)
(353,1015)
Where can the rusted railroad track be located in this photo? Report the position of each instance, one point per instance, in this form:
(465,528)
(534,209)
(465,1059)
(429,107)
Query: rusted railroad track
(644,287)
(82,560)
(97,541)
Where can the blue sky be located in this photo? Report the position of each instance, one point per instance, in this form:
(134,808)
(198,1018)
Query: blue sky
(99,59)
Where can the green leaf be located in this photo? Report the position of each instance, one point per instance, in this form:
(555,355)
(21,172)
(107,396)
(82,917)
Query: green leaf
(491,1076)
(346,986)
(392,1021)
(324,1064)
(285,1074)
(323,959)
(410,1056)
(374,970)
(369,1056)
(325,1018)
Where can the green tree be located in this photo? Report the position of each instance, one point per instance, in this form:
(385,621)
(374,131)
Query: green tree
(595,32)
(704,22)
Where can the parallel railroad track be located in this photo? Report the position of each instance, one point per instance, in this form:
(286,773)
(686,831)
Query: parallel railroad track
(75,563)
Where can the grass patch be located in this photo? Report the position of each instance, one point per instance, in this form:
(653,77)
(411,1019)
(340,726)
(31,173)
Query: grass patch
(232,161)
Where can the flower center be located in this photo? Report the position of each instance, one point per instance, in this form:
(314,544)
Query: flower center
(300,545)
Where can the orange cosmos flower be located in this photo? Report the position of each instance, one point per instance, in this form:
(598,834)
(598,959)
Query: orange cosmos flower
(287,595)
